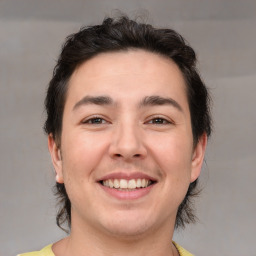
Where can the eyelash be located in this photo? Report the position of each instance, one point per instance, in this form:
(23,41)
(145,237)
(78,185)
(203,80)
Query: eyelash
(164,121)
(91,120)
(95,120)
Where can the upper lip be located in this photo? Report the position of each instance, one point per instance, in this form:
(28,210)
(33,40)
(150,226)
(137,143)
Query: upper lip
(127,176)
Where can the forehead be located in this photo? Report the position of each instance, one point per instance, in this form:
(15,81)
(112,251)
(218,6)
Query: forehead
(132,73)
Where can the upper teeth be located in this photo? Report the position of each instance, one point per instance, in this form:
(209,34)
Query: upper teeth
(130,184)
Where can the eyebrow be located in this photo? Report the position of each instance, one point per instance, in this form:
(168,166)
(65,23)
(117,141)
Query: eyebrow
(97,100)
(158,100)
(153,100)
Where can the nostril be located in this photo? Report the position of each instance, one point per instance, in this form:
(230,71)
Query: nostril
(136,155)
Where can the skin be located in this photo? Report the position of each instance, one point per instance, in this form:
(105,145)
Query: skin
(125,136)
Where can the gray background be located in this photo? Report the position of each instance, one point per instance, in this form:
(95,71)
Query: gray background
(222,32)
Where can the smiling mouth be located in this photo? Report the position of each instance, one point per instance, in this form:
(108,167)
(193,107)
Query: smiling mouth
(127,185)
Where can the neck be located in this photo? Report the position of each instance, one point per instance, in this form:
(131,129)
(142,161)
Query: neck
(91,242)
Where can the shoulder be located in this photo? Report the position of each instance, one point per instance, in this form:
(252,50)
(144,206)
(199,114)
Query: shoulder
(46,251)
(182,251)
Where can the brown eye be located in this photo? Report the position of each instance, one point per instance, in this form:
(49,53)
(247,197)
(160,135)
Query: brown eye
(95,120)
(158,120)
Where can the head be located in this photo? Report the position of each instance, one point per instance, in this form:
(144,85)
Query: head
(120,35)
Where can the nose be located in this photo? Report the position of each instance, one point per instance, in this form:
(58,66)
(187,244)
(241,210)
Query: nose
(127,143)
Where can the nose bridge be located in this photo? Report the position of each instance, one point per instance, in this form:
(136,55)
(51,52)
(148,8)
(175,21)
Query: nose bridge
(127,141)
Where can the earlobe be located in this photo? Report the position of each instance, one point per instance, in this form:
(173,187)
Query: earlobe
(56,158)
(198,157)
(58,178)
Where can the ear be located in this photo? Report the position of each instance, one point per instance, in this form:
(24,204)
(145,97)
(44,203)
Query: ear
(198,157)
(56,158)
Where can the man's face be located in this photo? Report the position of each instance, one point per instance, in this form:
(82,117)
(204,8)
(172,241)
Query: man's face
(126,124)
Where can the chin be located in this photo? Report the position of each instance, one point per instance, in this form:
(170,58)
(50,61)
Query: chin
(128,229)
(128,234)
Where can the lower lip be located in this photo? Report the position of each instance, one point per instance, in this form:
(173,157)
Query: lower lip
(128,195)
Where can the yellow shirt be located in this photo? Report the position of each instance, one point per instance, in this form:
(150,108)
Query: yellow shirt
(47,251)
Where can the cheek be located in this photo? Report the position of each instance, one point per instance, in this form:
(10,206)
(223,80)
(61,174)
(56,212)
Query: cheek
(173,151)
(81,155)
(173,157)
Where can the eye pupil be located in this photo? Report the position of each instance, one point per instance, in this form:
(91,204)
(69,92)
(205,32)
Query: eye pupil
(158,121)
(96,120)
